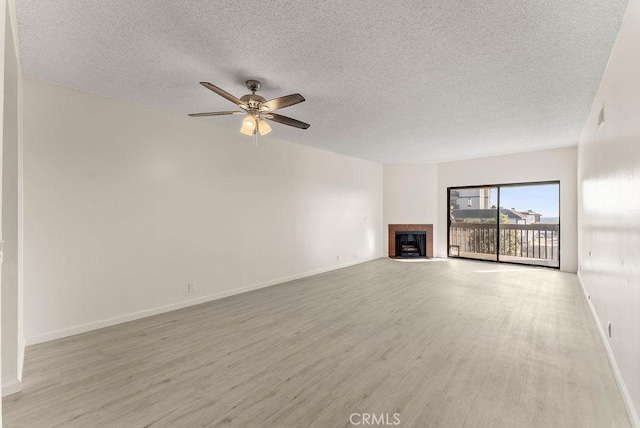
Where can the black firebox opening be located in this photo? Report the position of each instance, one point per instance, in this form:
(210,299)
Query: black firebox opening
(411,244)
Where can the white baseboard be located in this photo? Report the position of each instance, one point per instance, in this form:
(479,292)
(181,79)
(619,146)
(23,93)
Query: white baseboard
(83,328)
(21,359)
(15,385)
(626,397)
(11,387)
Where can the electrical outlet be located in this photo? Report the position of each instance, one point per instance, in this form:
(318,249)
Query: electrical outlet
(337,258)
(609,328)
(191,287)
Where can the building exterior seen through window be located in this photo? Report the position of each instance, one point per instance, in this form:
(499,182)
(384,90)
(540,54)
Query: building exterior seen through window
(515,223)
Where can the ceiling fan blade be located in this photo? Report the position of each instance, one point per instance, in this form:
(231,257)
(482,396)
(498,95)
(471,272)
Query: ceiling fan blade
(215,113)
(282,102)
(223,94)
(286,120)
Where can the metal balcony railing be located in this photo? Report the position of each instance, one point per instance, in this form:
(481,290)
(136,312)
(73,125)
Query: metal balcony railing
(537,243)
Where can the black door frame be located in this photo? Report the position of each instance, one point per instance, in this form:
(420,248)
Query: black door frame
(498,186)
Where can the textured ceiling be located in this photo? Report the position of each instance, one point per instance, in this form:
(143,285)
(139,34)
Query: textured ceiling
(405,81)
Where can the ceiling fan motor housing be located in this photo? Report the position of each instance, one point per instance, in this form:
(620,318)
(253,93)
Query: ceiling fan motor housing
(253,101)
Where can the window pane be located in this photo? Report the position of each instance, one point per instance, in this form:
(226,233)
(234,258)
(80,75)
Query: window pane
(473,223)
(530,224)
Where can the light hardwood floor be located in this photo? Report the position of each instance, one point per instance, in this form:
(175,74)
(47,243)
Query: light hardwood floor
(446,343)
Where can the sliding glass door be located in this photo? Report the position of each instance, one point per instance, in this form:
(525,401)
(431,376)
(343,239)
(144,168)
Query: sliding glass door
(514,223)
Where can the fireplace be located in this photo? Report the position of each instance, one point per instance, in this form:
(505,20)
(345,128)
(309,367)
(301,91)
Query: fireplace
(411,244)
(417,240)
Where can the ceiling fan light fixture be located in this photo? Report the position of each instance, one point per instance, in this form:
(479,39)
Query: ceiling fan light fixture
(263,127)
(248,132)
(249,123)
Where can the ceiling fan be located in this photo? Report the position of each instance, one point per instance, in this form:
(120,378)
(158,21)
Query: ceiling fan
(257,109)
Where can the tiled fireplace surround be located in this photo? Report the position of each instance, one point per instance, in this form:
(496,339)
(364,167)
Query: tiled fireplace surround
(393,228)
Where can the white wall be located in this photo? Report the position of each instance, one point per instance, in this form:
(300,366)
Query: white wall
(609,221)
(544,165)
(417,193)
(124,205)
(410,197)
(2,41)
(11,309)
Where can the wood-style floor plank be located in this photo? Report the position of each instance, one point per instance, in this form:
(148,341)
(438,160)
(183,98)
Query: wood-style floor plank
(442,343)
